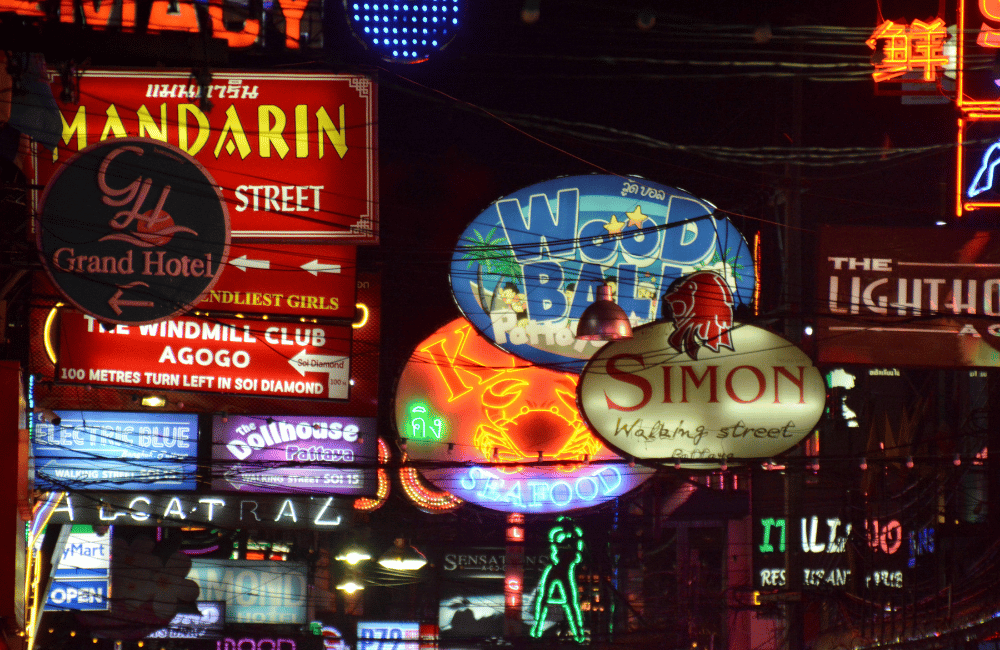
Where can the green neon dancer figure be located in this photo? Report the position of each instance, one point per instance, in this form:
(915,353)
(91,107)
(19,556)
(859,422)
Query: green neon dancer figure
(557,585)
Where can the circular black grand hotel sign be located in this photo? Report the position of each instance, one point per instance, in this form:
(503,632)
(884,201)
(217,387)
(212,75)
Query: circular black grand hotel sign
(133,231)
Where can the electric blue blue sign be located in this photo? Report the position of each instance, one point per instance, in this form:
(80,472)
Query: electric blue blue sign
(528,266)
(103,450)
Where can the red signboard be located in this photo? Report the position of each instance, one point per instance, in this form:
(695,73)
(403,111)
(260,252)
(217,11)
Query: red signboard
(909,297)
(295,154)
(233,356)
(299,280)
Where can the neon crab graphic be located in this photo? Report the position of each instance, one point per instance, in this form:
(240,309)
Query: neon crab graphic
(519,424)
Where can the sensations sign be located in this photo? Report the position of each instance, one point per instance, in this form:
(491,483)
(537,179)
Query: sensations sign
(284,453)
(702,387)
(528,266)
(132,230)
(102,450)
(508,434)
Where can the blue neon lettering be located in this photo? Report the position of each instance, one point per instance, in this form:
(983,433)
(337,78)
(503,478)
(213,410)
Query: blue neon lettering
(616,478)
(569,493)
(594,487)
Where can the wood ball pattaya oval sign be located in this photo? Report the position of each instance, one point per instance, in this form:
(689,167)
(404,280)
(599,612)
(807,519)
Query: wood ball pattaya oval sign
(701,387)
(133,231)
(527,267)
(495,431)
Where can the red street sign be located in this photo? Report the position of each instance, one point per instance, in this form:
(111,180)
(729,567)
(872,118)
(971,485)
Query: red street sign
(295,154)
(236,356)
(298,280)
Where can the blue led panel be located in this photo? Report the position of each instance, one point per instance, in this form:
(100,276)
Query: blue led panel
(405,32)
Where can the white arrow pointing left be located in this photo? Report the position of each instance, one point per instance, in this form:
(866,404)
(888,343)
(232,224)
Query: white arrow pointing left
(336,368)
(305,362)
(243,263)
(316,267)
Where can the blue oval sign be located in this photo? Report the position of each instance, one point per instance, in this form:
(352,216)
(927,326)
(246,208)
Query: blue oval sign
(528,266)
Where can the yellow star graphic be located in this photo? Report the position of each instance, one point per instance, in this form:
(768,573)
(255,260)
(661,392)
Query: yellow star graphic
(636,217)
(614,227)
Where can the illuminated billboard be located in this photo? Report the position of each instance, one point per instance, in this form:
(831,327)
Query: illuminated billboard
(702,387)
(219,355)
(508,433)
(175,509)
(254,592)
(104,450)
(908,297)
(131,230)
(284,453)
(80,575)
(294,154)
(527,267)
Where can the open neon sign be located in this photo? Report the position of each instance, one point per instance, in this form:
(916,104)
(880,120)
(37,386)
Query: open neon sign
(509,432)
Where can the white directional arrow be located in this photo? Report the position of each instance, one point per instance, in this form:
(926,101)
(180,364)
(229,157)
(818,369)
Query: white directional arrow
(316,267)
(305,362)
(243,263)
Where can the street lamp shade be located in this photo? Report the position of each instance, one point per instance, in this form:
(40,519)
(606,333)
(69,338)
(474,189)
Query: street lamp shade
(604,320)
(402,557)
(353,554)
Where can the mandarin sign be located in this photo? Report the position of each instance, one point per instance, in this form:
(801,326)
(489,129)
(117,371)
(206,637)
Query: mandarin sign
(293,154)
(132,231)
(508,434)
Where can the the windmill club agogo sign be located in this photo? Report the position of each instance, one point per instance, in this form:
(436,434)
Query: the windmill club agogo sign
(702,388)
(133,231)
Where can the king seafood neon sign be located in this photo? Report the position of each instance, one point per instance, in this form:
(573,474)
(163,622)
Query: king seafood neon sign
(507,434)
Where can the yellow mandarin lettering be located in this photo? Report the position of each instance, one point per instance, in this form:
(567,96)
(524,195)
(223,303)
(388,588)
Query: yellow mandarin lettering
(148,127)
(234,128)
(338,138)
(301,131)
(182,128)
(113,125)
(271,134)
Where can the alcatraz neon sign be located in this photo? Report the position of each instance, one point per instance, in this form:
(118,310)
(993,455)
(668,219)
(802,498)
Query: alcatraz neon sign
(511,432)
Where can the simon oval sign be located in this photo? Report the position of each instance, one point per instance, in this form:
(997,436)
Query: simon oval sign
(495,431)
(702,387)
(133,231)
(527,267)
